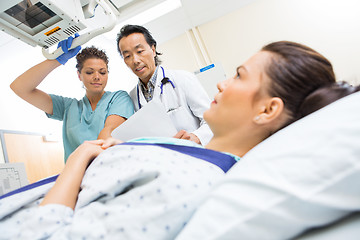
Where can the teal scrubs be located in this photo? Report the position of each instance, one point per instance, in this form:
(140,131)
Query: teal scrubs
(81,123)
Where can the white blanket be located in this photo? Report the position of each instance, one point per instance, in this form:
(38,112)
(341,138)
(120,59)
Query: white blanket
(128,192)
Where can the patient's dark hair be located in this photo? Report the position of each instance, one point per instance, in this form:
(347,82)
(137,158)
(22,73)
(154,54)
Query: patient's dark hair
(130,29)
(324,96)
(296,71)
(90,52)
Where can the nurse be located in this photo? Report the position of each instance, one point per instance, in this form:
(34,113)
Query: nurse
(180,92)
(93,117)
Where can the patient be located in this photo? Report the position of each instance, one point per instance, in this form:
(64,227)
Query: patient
(149,188)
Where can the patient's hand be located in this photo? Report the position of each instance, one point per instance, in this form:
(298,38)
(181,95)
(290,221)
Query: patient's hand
(109,142)
(88,150)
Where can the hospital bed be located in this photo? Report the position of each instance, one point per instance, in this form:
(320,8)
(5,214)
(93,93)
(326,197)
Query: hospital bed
(327,138)
(345,228)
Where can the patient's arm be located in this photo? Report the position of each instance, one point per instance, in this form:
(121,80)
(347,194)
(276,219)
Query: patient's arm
(67,186)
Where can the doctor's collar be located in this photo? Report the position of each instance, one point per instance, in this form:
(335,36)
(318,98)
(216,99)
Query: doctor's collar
(152,80)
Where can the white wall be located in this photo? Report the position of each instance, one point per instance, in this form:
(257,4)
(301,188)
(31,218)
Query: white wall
(178,54)
(331,27)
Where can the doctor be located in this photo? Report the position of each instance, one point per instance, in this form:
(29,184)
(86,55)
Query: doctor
(180,92)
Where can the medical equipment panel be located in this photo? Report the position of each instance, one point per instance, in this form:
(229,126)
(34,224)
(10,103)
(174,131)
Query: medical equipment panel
(12,176)
(41,22)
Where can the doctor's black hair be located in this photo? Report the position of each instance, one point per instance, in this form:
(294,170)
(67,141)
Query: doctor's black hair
(130,29)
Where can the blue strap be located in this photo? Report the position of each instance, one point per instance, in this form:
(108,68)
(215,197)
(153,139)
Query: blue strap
(31,186)
(138,96)
(222,160)
(163,71)
(165,80)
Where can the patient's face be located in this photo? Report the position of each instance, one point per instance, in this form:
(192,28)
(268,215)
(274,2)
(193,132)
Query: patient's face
(238,101)
(94,75)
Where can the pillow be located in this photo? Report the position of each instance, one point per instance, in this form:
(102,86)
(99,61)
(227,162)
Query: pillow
(306,175)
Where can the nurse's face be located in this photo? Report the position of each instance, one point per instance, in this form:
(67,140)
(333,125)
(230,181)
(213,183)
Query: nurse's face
(94,75)
(238,101)
(138,55)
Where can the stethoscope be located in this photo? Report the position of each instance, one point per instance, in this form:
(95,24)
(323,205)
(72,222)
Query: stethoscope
(163,82)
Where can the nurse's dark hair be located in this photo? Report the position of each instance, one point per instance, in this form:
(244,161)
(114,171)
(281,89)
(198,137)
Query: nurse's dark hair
(295,71)
(90,52)
(130,29)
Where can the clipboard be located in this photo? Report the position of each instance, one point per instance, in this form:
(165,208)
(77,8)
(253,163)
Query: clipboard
(150,121)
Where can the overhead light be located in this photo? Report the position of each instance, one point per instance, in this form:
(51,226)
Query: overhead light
(148,15)
(154,12)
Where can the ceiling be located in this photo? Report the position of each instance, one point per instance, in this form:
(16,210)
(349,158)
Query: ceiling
(192,13)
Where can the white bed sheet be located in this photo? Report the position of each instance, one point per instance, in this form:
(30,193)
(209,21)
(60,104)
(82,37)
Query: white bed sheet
(128,192)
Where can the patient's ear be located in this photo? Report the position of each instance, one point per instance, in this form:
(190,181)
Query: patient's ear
(78,73)
(270,111)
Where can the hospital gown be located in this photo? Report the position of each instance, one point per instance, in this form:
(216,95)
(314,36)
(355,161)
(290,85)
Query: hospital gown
(141,191)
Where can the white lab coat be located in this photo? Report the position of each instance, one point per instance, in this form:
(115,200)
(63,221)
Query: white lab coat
(185,104)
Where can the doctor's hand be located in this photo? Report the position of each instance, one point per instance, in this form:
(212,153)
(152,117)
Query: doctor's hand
(109,142)
(65,45)
(182,134)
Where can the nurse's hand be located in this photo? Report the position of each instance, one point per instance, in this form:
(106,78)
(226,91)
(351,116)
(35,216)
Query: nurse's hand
(65,45)
(182,134)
